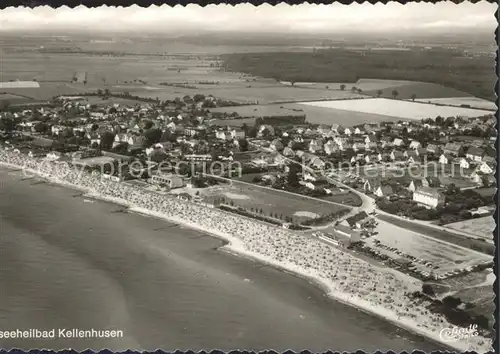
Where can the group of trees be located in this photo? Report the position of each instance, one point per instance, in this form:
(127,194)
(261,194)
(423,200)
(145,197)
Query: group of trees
(458,204)
(454,309)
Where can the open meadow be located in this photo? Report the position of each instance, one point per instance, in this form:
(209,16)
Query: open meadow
(480,227)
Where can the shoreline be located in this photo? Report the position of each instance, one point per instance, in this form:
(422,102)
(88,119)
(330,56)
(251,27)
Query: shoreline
(235,246)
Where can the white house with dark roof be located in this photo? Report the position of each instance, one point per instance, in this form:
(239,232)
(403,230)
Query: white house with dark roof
(330,147)
(398,142)
(486,168)
(315,145)
(443,159)
(475,154)
(428,197)
(415,145)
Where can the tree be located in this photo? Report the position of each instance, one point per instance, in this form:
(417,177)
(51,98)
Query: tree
(451,301)
(379,93)
(147,124)
(413,96)
(7,124)
(41,127)
(107,92)
(243,144)
(482,321)
(252,132)
(428,290)
(485,181)
(245,128)
(199,97)
(360,91)
(395,94)
(293,174)
(121,148)
(99,92)
(342,87)
(354,89)
(107,139)
(158,156)
(152,136)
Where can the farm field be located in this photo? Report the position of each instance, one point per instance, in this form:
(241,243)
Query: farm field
(14,99)
(111,100)
(270,201)
(233,122)
(474,102)
(18,84)
(407,90)
(396,108)
(261,110)
(480,227)
(262,95)
(314,115)
(447,256)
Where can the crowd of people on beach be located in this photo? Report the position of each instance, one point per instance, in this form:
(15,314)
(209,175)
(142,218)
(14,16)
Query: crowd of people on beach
(348,278)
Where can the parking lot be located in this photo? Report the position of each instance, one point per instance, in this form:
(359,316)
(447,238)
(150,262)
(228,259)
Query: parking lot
(428,257)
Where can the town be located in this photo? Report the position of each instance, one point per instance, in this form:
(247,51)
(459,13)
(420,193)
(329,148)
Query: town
(438,170)
(179,175)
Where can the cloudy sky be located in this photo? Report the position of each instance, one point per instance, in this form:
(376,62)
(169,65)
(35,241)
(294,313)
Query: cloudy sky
(281,18)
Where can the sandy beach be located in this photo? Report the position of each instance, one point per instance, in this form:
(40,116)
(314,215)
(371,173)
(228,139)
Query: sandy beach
(348,279)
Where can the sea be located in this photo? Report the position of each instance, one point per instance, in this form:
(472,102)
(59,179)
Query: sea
(72,263)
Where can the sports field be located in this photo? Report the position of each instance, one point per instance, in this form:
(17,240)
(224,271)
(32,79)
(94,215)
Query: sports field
(270,201)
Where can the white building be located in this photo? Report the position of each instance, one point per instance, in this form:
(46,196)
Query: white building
(443,159)
(428,197)
(171,181)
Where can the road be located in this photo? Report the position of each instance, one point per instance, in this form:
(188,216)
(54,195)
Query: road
(368,205)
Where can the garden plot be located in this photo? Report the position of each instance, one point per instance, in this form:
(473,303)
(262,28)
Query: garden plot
(396,108)
(446,256)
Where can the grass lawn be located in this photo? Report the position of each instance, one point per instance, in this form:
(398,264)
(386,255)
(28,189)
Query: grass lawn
(481,227)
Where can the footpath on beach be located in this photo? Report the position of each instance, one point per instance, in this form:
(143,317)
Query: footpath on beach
(379,291)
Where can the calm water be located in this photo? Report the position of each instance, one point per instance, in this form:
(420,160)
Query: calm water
(70,263)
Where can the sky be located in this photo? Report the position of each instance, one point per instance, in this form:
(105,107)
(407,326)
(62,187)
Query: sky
(305,18)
